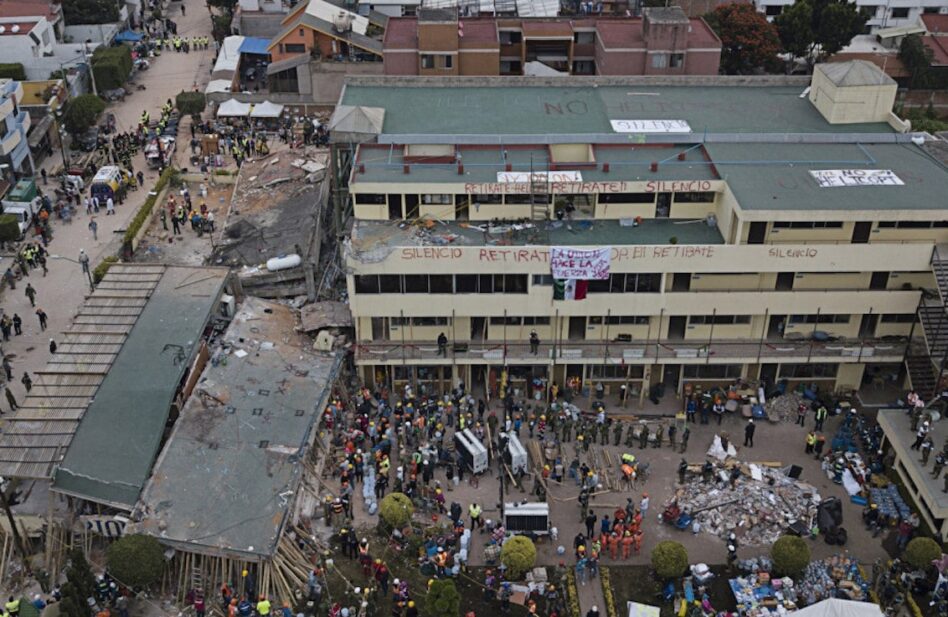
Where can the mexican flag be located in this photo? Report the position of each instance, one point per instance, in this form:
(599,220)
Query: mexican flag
(569,289)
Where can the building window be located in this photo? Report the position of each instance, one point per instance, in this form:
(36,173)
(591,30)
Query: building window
(441,199)
(584,38)
(370,199)
(427,61)
(870,10)
(620,320)
(616,371)
(419,321)
(390,284)
(809,371)
(694,197)
(368,284)
(912,224)
(295,48)
(719,320)
(626,198)
(901,12)
(488,199)
(542,279)
(772,10)
(677,61)
(449,62)
(898,318)
(510,283)
(584,67)
(510,66)
(930,10)
(659,61)
(441,284)
(713,371)
(301,32)
(508,37)
(808,224)
(816,319)
(416,283)
(536,321)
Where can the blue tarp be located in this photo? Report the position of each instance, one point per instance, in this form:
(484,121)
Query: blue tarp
(128,36)
(254,45)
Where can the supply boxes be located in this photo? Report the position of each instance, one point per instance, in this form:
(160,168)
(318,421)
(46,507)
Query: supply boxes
(473,451)
(527,518)
(516,455)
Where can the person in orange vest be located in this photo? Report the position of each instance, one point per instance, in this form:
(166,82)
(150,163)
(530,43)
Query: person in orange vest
(614,545)
(637,538)
(627,545)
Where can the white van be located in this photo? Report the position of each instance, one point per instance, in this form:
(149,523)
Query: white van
(23,210)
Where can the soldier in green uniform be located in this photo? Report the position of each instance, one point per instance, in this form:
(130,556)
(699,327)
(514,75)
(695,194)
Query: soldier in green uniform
(617,431)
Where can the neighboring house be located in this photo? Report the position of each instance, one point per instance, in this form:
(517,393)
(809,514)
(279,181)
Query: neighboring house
(663,42)
(15,156)
(40,100)
(890,14)
(25,38)
(936,39)
(30,10)
(325,30)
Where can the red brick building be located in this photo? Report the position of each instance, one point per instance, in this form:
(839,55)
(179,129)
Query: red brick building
(663,42)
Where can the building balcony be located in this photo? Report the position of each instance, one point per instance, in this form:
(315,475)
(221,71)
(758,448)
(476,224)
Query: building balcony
(9,143)
(24,122)
(514,50)
(634,352)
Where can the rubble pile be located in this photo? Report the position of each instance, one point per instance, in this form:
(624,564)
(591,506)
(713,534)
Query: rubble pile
(784,408)
(834,577)
(760,507)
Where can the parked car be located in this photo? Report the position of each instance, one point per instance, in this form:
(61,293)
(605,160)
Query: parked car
(89,140)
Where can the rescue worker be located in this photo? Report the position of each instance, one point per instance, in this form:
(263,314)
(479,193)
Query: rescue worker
(685,434)
(682,470)
(939,464)
(627,543)
(810,442)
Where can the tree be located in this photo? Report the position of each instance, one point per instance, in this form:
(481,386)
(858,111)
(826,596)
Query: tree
(9,228)
(917,58)
(78,12)
(921,552)
(815,29)
(13,70)
(111,66)
(669,559)
(136,560)
(443,599)
(81,113)
(518,554)
(190,103)
(749,42)
(79,587)
(396,509)
(790,555)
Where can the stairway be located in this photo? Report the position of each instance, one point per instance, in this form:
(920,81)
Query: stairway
(940,270)
(922,373)
(934,319)
(539,196)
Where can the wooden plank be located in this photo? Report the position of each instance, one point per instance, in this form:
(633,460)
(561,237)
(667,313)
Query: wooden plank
(61,414)
(28,455)
(123,302)
(110,311)
(83,358)
(66,367)
(33,441)
(66,380)
(113,321)
(95,339)
(97,328)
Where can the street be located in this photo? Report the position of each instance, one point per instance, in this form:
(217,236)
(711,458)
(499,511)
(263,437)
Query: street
(64,289)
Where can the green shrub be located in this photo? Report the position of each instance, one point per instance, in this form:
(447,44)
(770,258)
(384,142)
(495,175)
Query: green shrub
(518,554)
(78,12)
(111,66)
(790,555)
(921,552)
(141,217)
(443,599)
(99,272)
(190,103)
(81,113)
(9,228)
(669,559)
(136,560)
(13,70)
(395,510)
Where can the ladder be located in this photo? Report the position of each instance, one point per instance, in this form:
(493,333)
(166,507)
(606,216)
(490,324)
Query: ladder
(539,195)
(197,580)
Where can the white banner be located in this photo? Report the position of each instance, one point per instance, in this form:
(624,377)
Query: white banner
(832,178)
(523,177)
(650,126)
(584,264)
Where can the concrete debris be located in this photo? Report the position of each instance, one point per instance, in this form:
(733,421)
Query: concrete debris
(784,408)
(757,511)
(717,449)
(834,577)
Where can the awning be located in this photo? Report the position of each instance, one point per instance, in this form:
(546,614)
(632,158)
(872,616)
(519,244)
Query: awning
(218,85)
(289,63)
(233,108)
(255,45)
(128,36)
(40,130)
(266,109)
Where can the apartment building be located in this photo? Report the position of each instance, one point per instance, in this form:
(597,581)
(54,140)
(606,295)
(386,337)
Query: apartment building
(890,14)
(663,42)
(15,159)
(716,231)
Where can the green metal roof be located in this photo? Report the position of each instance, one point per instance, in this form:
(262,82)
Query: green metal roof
(506,111)
(110,457)
(777,177)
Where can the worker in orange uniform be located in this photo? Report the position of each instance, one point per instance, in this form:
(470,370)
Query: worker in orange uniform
(614,545)
(637,538)
(627,545)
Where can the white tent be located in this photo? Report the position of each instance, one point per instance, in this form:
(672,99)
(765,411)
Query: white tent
(218,85)
(840,608)
(233,107)
(266,109)
(643,610)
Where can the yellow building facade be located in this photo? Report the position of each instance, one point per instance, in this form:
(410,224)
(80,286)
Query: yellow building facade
(748,233)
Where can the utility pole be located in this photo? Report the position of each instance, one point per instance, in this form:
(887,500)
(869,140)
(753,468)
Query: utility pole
(17,540)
